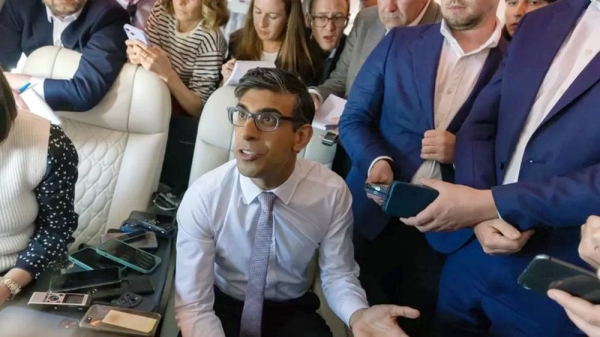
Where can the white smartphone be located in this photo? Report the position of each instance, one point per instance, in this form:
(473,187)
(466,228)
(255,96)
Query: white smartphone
(134,33)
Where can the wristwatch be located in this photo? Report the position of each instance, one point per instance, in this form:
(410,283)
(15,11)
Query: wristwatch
(12,286)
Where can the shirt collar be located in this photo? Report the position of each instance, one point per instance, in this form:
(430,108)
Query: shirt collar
(284,192)
(491,42)
(596,3)
(68,18)
(332,53)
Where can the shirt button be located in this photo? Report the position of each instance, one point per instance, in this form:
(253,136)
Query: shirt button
(531,161)
(449,92)
(589,52)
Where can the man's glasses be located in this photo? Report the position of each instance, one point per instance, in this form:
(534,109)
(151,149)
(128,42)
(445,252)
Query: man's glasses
(264,121)
(322,20)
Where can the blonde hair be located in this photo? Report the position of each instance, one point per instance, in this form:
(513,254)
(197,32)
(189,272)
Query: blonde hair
(214,12)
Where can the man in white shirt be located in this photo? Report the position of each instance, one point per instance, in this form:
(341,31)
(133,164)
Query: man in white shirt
(409,100)
(249,229)
(529,153)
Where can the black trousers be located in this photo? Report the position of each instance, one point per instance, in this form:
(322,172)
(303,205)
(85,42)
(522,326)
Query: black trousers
(293,318)
(400,267)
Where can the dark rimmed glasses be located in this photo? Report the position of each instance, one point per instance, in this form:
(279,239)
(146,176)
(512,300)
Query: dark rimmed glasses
(323,20)
(265,121)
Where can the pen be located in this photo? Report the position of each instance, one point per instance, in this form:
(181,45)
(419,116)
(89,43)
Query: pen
(24,87)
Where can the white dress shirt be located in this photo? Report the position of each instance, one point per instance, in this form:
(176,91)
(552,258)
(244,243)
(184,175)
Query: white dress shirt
(577,51)
(58,27)
(456,77)
(217,221)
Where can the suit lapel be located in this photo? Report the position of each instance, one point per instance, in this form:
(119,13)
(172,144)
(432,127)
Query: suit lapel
(487,72)
(533,69)
(42,28)
(588,77)
(426,59)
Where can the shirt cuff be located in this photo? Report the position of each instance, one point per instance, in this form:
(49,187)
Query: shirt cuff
(350,307)
(376,160)
(37,84)
(315,91)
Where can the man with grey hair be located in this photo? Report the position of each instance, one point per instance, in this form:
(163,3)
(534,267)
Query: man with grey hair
(92,27)
(249,230)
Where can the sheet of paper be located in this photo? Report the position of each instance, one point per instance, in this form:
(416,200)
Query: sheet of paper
(329,114)
(242,67)
(129,321)
(38,106)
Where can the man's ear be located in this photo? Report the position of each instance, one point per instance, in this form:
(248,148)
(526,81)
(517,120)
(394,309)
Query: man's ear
(303,136)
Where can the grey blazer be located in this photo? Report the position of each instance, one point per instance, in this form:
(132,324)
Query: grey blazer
(366,33)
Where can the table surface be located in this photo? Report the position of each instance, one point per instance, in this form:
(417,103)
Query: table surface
(19,320)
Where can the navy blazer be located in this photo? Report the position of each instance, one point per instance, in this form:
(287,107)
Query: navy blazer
(97,33)
(559,180)
(391,106)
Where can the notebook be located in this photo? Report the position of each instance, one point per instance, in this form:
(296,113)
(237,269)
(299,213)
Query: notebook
(328,116)
(38,106)
(242,67)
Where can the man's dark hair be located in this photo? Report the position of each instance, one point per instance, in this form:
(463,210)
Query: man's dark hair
(310,3)
(8,107)
(283,82)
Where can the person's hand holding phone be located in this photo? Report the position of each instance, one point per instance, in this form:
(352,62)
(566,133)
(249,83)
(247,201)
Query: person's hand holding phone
(134,51)
(227,69)
(589,247)
(153,59)
(498,237)
(380,174)
(585,315)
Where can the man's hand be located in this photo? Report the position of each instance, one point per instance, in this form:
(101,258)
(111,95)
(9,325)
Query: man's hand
(499,237)
(438,145)
(16,81)
(380,320)
(227,69)
(456,207)
(381,173)
(584,314)
(589,247)
(316,101)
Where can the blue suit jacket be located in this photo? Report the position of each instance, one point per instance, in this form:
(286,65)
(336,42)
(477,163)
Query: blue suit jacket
(97,33)
(391,106)
(559,181)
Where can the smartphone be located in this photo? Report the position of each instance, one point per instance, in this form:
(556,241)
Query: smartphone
(147,240)
(134,33)
(85,279)
(405,200)
(139,284)
(129,256)
(88,259)
(330,139)
(377,190)
(160,224)
(545,272)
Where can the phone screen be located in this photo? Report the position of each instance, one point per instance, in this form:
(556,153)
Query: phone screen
(89,258)
(129,254)
(85,279)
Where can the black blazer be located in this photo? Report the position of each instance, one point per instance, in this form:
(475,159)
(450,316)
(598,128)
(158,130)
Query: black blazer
(329,63)
(97,34)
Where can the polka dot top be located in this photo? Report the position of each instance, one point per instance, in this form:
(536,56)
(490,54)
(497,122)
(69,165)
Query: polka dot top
(56,220)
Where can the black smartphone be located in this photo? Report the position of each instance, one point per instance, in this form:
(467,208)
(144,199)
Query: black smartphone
(146,240)
(545,272)
(330,139)
(160,224)
(85,279)
(139,284)
(405,200)
(129,256)
(377,190)
(88,259)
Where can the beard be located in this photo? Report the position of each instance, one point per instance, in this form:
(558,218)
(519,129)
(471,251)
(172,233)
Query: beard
(463,22)
(64,7)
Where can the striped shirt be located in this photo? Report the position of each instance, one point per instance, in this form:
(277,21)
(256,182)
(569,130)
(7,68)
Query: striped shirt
(196,56)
